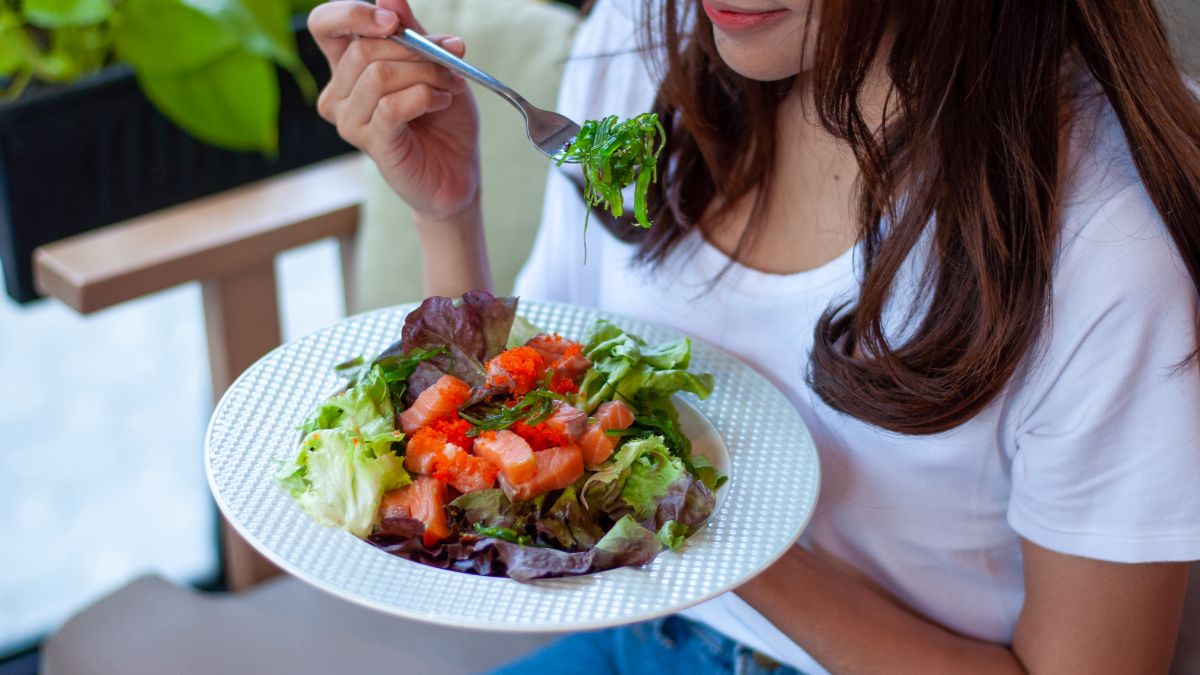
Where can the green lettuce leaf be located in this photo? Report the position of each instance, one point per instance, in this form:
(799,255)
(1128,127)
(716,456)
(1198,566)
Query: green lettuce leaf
(672,534)
(650,477)
(708,473)
(626,535)
(365,409)
(486,508)
(522,331)
(626,368)
(569,524)
(338,477)
(347,459)
(603,487)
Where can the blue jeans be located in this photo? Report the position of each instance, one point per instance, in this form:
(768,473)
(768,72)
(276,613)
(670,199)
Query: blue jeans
(659,647)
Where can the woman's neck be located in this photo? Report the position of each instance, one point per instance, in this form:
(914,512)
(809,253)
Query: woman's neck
(810,212)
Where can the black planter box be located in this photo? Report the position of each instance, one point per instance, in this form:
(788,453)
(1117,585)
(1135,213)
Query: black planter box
(96,152)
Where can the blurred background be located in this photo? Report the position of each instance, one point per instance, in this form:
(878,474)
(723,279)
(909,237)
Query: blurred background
(104,414)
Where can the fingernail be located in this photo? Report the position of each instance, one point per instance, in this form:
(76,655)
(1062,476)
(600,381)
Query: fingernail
(452,43)
(384,17)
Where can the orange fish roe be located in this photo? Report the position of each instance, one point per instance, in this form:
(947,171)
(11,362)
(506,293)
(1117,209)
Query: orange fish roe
(518,368)
(455,430)
(424,446)
(563,385)
(540,436)
(430,453)
(466,472)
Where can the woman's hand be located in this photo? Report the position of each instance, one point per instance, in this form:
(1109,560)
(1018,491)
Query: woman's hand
(415,118)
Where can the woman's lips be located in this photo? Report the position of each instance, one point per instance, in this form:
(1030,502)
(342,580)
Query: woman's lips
(732,19)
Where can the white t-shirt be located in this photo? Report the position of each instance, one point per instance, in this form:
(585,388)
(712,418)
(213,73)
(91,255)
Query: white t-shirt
(1093,449)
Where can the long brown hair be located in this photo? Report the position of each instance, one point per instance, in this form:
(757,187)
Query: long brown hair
(973,138)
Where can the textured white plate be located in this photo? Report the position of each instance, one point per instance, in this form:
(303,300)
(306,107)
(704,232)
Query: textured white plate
(761,511)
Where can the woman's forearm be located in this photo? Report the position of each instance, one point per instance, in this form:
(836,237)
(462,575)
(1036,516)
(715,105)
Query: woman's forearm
(454,254)
(851,628)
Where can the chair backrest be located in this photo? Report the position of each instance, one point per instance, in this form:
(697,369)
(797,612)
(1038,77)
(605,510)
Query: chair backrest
(525,44)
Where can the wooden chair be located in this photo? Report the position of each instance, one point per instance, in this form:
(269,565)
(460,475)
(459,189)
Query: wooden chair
(228,243)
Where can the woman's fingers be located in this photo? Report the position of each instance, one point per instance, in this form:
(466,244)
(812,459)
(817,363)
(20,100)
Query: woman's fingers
(401,8)
(380,79)
(398,109)
(334,25)
(358,55)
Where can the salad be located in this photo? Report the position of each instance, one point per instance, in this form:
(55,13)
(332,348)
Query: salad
(480,444)
(613,154)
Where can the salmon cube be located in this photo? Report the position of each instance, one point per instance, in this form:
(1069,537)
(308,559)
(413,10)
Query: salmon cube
(423,500)
(556,469)
(442,399)
(596,444)
(508,452)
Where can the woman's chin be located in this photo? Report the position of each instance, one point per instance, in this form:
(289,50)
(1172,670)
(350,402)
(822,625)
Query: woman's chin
(760,59)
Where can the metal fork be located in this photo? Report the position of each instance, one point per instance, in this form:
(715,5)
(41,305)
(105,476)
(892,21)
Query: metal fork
(548,131)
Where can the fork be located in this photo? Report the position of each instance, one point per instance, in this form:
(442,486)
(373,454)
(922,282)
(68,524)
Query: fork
(549,132)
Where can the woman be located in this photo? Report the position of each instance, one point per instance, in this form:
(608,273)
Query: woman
(923,221)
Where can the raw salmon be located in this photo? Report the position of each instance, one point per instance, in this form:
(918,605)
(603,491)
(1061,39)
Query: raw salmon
(440,400)
(430,453)
(517,370)
(565,357)
(598,446)
(423,449)
(556,469)
(508,452)
(423,500)
(466,472)
(567,421)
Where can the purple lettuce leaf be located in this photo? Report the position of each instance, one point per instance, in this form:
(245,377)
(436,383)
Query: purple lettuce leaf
(472,331)
(626,544)
(688,501)
(568,524)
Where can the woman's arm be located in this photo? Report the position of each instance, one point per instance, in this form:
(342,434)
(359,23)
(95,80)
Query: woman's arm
(418,123)
(454,253)
(1080,616)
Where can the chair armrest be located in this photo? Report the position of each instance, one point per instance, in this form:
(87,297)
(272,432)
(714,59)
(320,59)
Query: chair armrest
(203,239)
(227,242)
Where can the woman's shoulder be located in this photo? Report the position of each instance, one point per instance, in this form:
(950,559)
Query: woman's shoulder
(1113,240)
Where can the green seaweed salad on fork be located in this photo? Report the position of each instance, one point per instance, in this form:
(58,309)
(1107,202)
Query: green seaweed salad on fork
(481,444)
(613,154)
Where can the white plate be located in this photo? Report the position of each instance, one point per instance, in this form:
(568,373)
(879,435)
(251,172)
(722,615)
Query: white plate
(761,511)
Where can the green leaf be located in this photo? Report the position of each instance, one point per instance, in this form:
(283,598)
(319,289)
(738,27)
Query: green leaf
(339,478)
(263,27)
(488,508)
(364,409)
(672,534)
(59,13)
(258,25)
(13,44)
(608,482)
(708,473)
(302,6)
(522,331)
(626,534)
(613,154)
(167,36)
(649,478)
(232,103)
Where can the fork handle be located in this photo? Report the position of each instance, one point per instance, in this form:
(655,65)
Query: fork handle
(432,51)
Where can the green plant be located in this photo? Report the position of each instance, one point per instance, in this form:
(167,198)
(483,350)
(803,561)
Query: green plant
(208,65)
